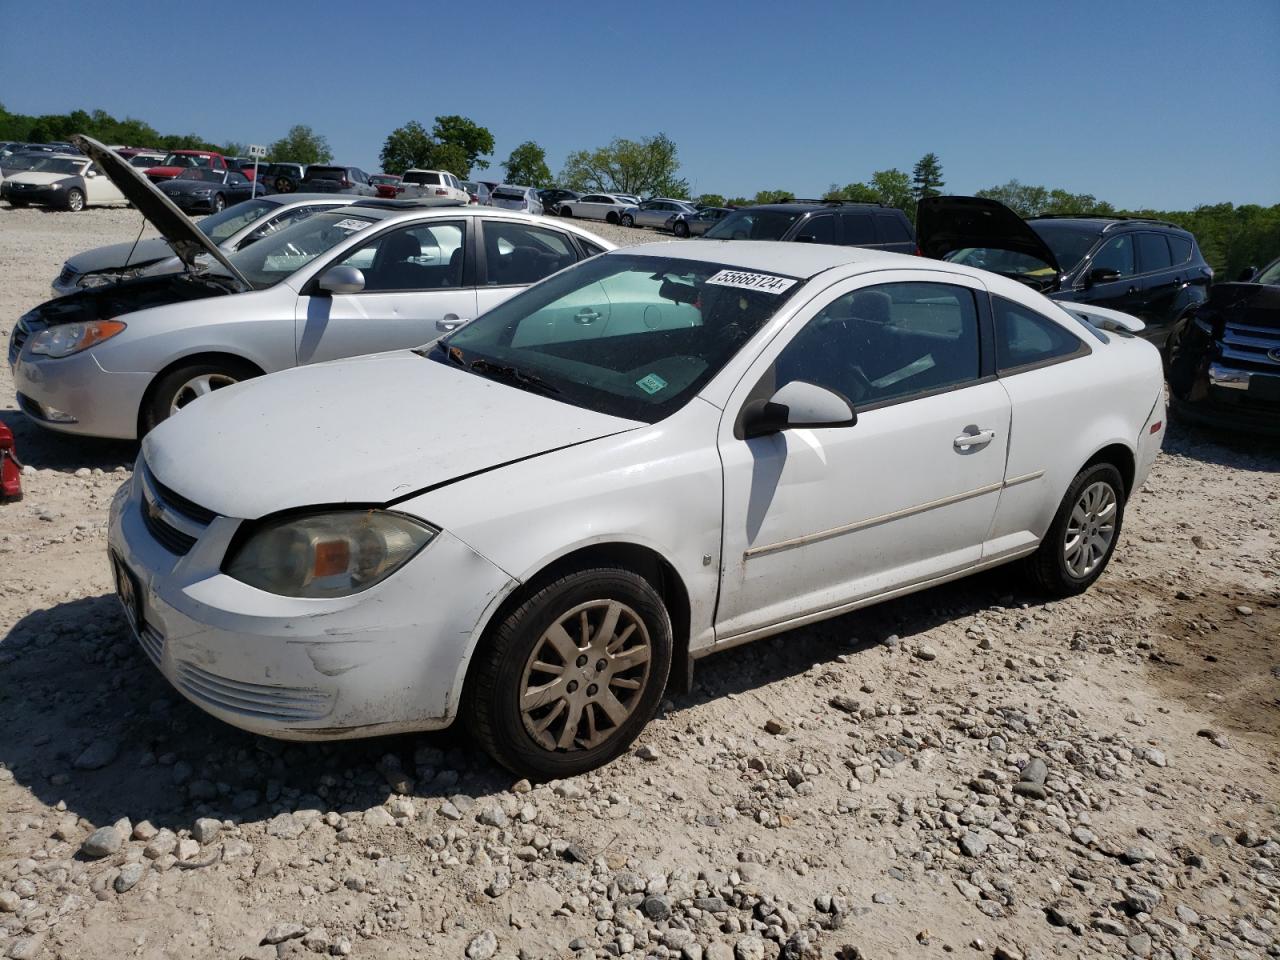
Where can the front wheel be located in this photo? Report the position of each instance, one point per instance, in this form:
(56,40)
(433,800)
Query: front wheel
(177,388)
(566,212)
(75,200)
(611,218)
(1083,535)
(681,229)
(628,220)
(570,677)
(219,203)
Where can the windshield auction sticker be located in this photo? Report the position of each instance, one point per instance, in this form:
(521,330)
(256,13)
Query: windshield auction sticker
(351,225)
(764,282)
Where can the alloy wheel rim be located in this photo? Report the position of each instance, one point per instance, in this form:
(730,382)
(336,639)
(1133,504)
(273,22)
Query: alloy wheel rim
(1090,529)
(197,387)
(585,676)
(76,201)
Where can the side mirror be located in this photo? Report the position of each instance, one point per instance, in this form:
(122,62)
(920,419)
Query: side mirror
(796,406)
(341,280)
(1103,275)
(1247,275)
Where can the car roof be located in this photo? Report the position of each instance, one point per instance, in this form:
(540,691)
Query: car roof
(803,260)
(1103,222)
(805,206)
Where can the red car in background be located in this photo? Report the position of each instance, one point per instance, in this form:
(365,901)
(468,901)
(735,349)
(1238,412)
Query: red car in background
(385,184)
(179,160)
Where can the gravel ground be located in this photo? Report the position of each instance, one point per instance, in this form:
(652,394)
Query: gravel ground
(967,771)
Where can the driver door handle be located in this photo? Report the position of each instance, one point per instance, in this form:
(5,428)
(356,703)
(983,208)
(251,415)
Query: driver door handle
(450,321)
(967,440)
(586,315)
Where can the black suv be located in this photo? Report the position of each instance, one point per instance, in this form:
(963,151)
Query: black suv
(1150,269)
(817,221)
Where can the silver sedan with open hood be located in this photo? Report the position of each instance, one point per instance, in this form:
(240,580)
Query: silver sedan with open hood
(376,275)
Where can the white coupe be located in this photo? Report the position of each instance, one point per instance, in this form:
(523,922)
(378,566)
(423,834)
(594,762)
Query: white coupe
(597,206)
(540,521)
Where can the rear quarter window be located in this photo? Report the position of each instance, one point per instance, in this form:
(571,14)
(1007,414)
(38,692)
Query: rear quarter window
(1026,339)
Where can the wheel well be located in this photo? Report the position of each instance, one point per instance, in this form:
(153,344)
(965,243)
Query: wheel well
(611,218)
(210,357)
(626,556)
(1120,457)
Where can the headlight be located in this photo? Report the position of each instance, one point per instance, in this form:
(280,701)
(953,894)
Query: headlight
(68,338)
(55,186)
(327,554)
(202,192)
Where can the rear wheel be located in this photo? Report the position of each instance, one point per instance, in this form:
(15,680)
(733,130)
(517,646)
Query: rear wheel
(75,199)
(283,185)
(569,679)
(1083,535)
(628,220)
(611,218)
(179,387)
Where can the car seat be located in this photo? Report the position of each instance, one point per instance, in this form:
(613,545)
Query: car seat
(393,267)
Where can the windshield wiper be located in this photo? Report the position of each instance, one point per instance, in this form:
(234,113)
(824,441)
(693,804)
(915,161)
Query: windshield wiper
(513,376)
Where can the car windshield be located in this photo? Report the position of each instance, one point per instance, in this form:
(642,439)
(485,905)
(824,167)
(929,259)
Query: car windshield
(271,259)
(326,173)
(382,178)
(20,161)
(199,173)
(145,163)
(1069,242)
(184,160)
(754,225)
(627,335)
(222,225)
(1007,262)
(508,195)
(1269,275)
(63,165)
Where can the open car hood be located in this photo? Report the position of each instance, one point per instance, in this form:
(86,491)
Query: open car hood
(947,224)
(174,225)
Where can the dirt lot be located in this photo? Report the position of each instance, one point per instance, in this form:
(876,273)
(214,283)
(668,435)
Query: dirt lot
(968,771)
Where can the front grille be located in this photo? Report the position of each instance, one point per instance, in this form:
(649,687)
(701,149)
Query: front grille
(21,333)
(253,699)
(1257,348)
(152,643)
(169,537)
(174,521)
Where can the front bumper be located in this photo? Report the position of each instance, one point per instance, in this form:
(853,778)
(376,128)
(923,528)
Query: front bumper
(391,659)
(1233,400)
(187,201)
(33,193)
(75,395)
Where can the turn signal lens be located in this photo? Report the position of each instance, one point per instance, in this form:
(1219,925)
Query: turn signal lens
(328,554)
(67,338)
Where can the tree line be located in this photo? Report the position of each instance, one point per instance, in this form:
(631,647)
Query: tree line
(1230,237)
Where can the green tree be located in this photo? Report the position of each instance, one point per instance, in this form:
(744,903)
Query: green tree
(451,157)
(926,177)
(643,167)
(407,147)
(475,141)
(711,200)
(893,188)
(773,196)
(301,145)
(233,148)
(527,165)
(852,193)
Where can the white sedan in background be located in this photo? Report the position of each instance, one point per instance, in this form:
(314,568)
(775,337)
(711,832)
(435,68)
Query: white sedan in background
(539,522)
(66,181)
(597,206)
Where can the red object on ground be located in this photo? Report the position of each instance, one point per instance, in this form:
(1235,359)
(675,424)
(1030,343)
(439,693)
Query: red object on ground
(10,467)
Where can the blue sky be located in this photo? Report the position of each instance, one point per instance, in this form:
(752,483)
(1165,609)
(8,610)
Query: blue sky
(1146,105)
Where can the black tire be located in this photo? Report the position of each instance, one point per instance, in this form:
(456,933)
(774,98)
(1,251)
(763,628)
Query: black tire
(681,229)
(284,185)
(75,200)
(611,218)
(492,703)
(157,407)
(18,204)
(628,220)
(219,203)
(566,212)
(1047,568)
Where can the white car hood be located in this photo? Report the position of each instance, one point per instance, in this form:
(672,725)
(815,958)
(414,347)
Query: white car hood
(39,177)
(369,430)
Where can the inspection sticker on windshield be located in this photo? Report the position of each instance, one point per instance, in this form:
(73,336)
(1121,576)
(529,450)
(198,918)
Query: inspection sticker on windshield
(763,282)
(351,224)
(651,384)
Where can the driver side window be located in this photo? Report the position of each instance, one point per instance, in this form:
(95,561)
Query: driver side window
(1116,254)
(887,342)
(418,257)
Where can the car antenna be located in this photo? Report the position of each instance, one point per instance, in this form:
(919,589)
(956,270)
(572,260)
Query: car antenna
(135,241)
